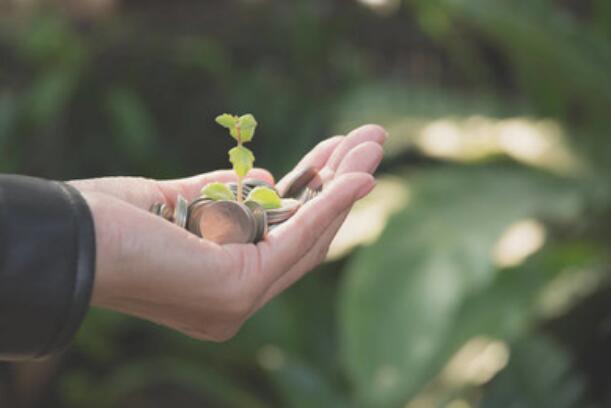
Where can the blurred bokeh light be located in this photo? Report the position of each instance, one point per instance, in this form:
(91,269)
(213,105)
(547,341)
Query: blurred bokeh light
(474,275)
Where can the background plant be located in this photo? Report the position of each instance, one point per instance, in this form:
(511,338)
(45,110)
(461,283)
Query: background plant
(499,119)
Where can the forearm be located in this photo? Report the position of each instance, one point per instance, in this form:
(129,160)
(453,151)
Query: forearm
(47,263)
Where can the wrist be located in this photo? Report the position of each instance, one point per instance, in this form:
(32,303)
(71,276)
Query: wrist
(106,245)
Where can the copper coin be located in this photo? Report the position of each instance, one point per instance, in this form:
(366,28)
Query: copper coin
(194,214)
(300,180)
(226,222)
(260,216)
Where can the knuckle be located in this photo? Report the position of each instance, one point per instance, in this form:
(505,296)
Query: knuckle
(321,253)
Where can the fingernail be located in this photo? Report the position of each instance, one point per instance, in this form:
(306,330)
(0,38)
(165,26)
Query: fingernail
(374,161)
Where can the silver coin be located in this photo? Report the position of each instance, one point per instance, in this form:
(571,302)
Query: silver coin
(181,213)
(156,208)
(162,210)
(309,194)
(287,210)
(246,189)
(248,185)
(199,201)
(252,183)
(300,180)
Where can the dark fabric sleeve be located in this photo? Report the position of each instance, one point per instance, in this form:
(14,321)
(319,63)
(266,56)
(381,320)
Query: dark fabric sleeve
(47,262)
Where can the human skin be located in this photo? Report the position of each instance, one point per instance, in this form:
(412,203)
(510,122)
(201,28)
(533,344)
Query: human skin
(152,269)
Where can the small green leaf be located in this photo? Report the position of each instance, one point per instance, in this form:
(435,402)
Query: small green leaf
(247,124)
(266,197)
(217,191)
(242,160)
(235,133)
(227,121)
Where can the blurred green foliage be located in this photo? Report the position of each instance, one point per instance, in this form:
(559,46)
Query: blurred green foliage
(136,91)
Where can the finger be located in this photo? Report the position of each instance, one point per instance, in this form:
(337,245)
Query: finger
(219,175)
(315,256)
(363,134)
(317,157)
(143,193)
(363,158)
(291,241)
(366,157)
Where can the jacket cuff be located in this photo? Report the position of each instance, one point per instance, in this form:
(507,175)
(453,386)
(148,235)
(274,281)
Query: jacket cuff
(47,265)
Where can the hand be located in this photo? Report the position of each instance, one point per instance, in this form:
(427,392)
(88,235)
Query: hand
(150,268)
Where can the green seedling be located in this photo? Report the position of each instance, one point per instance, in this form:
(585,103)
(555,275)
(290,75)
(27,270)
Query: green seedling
(242,129)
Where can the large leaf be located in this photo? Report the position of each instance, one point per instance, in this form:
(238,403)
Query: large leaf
(558,61)
(539,374)
(143,376)
(301,385)
(404,297)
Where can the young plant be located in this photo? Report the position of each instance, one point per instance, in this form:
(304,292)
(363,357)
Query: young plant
(242,129)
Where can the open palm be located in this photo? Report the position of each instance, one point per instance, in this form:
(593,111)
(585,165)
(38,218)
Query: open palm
(152,269)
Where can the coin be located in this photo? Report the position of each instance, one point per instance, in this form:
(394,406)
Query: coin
(234,189)
(260,216)
(247,186)
(225,222)
(252,183)
(181,213)
(198,201)
(156,208)
(162,210)
(287,210)
(194,214)
(167,212)
(303,178)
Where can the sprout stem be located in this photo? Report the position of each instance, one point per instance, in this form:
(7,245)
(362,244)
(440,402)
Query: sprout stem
(240,189)
(240,186)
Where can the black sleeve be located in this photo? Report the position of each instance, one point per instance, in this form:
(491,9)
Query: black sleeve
(47,262)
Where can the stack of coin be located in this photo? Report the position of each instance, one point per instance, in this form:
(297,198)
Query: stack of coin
(303,185)
(163,211)
(233,222)
(247,186)
(286,211)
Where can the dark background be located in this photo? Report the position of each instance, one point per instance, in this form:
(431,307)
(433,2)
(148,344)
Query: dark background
(489,285)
